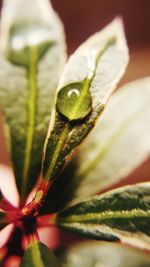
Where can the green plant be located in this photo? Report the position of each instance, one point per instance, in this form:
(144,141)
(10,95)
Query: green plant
(32,57)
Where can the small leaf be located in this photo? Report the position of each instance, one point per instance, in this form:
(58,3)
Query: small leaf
(121,214)
(103,254)
(89,78)
(32,54)
(119,144)
(38,255)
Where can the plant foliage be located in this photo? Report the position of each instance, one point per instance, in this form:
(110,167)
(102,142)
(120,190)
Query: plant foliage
(45,134)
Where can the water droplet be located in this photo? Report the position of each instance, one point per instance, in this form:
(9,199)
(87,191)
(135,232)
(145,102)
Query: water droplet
(23,39)
(73,91)
(74,101)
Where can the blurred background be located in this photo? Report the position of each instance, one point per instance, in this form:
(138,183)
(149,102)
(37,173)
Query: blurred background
(82,18)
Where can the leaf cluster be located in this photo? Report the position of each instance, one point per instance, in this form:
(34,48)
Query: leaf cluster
(50,106)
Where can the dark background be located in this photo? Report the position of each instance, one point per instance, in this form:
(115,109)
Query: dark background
(82,18)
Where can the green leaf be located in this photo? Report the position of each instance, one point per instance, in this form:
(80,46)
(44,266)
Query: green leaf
(89,78)
(118,144)
(121,214)
(96,254)
(38,255)
(32,54)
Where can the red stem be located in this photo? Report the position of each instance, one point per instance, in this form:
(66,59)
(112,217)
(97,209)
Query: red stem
(6,205)
(46,221)
(33,207)
(13,216)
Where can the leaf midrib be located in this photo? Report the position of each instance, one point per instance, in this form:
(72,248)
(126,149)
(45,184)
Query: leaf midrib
(100,216)
(88,81)
(59,146)
(32,73)
(86,86)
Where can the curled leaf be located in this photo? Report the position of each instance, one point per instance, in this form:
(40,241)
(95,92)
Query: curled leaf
(89,78)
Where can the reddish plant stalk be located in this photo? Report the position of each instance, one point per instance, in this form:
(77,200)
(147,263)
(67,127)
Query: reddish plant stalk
(33,207)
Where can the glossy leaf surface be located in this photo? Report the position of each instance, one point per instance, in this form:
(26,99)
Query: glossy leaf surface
(121,214)
(119,144)
(32,55)
(38,255)
(102,254)
(89,78)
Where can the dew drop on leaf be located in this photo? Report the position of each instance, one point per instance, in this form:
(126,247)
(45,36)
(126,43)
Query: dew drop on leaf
(25,39)
(73,91)
(74,101)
